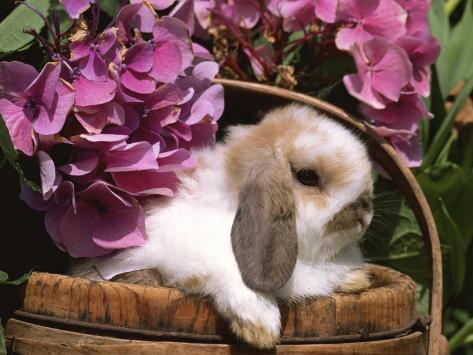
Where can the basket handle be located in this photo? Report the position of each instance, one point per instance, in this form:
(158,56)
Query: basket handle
(386,156)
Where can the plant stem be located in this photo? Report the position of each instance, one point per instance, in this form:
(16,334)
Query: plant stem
(445,152)
(458,339)
(445,128)
(467,162)
(450,6)
(40,14)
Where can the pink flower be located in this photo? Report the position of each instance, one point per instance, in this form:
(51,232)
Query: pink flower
(398,123)
(97,221)
(131,157)
(50,180)
(417,15)
(95,118)
(157,4)
(299,13)
(404,114)
(92,56)
(383,18)
(91,93)
(75,8)
(422,50)
(172,49)
(134,16)
(406,143)
(137,63)
(30,102)
(112,124)
(383,70)
(260,59)
(244,13)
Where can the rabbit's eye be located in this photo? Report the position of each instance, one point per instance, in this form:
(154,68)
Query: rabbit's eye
(307,177)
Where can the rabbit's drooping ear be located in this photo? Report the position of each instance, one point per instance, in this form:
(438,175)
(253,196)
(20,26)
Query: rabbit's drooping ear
(263,234)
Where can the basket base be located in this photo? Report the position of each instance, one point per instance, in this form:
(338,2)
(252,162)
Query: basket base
(28,338)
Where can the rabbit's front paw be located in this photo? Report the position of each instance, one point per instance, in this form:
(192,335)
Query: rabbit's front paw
(356,281)
(255,334)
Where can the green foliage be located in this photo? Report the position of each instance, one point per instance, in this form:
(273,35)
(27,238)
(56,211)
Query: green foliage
(454,63)
(4,279)
(3,348)
(6,144)
(394,238)
(110,7)
(12,37)
(454,260)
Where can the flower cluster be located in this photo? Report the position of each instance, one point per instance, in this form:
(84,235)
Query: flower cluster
(110,120)
(389,41)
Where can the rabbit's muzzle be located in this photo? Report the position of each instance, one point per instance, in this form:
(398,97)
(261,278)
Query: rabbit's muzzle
(356,215)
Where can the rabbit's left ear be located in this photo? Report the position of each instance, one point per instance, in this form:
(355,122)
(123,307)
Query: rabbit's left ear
(264,238)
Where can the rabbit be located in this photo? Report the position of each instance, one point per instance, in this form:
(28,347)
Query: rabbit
(275,212)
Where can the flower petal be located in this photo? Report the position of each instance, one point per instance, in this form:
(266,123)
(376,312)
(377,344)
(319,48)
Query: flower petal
(131,157)
(361,89)
(43,88)
(167,62)
(91,93)
(140,83)
(75,7)
(139,57)
(81,167)
(15,77)
(75,231)
(94,67)
(20,127)
(144,183)
(51,121)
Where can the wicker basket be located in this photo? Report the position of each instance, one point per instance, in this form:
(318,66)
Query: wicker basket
(64,315)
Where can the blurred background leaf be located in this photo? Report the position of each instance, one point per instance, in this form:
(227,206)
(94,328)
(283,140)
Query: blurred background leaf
(12,37)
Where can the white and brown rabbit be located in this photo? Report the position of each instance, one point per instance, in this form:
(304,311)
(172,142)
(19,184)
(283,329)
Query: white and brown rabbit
(274,212)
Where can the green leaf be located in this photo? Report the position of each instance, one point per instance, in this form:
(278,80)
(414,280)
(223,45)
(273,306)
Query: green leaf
(3,346)
(445,129)
(450,182)
(467,161)
(110,7)
(454,260)
(454,62)
(394,238)
(12,37)
(438,21)
(6,144)
(3,276)
(440,179)
(4,279)
(458,339)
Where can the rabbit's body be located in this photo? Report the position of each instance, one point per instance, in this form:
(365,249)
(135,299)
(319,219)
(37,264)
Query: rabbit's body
(196,238)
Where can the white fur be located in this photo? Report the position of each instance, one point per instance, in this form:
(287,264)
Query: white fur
(189,236)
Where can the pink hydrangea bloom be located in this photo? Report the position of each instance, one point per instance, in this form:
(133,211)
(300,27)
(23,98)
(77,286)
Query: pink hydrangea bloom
(383,18)
(111,124)
(32,103)
(383,70)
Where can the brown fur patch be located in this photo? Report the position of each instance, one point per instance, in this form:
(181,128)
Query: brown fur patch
(355,281)
(192,284)
(264,144)
(255,335)
(352,214)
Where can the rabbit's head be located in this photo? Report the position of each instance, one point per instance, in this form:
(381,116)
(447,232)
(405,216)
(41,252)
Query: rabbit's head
(304,191)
